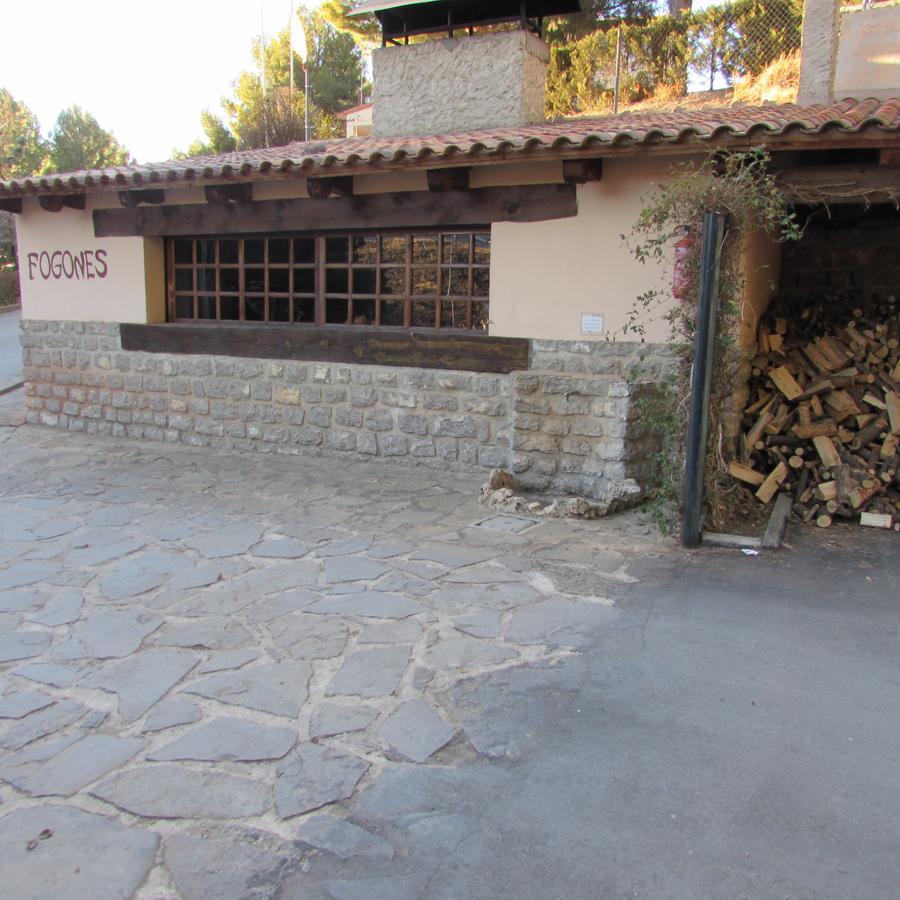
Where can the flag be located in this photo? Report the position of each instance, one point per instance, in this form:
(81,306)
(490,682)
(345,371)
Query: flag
(298,38)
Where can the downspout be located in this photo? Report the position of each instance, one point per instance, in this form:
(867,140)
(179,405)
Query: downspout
(701,379)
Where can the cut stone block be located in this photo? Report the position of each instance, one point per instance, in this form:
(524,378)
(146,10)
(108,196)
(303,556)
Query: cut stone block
(73,768)
(88,855)
(41,723)
(142,679)
(170,714)
(330,719)
(63,609)
(228,541)
(257,866)
(467,653)
(371,604)
(232,739)
(280,689)
(313,776)
(18,704)
(343,839)
(174,792)
(23,645)
(370,673)
(416,730)
(108,635)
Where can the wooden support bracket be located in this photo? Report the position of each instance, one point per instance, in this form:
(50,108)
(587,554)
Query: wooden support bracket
(131,199)
(581,171)
(223,194)
(441,180)
(55,202)
(332,186)
(11,204)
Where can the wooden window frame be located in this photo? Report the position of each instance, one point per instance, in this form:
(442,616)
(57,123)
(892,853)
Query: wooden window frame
(475,309)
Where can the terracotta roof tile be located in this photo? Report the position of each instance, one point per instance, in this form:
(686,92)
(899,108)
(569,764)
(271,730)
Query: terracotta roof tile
(692,127)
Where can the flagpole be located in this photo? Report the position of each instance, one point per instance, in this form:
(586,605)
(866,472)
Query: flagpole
(262,56)
(306,98)
(291,32)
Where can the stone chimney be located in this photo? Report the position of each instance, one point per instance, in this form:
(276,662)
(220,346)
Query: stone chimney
(851,52)
(459,84)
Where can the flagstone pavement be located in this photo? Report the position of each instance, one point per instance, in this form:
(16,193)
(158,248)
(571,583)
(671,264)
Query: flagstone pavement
(228,675)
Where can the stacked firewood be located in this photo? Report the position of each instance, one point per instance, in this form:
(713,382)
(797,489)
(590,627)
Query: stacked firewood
(823,420)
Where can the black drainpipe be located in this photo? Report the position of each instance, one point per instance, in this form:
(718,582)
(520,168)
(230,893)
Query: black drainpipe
(701,379)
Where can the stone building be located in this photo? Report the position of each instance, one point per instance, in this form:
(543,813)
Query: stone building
(451,290)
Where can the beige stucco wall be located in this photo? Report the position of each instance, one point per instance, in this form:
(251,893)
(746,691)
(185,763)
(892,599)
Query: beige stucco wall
(480,81)
(868,56)
(114,279)
(546,275)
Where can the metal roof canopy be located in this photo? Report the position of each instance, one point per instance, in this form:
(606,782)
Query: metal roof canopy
(403,18)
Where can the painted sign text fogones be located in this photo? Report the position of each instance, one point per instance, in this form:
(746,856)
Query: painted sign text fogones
(56,265)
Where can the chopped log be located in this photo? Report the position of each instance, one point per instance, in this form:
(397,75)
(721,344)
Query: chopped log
(755,433)
(821,428)
(871,432)
(785,382)
(745,473)
(876,520)
(861,495)
(772,482)
(893,411)
(827,451)
(827,490)
(823,521)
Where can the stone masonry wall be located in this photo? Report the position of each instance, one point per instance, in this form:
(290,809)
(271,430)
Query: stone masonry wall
(569,424)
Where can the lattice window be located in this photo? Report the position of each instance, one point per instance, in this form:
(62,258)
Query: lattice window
(396,279)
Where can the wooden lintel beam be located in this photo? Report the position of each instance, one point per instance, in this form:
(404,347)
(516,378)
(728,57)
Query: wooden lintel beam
(841,184)
(131,199)
(441,180)
(477,207)
(889,156)
(420,348)
(11,204)
(330,186)
(223,194)
(581,171)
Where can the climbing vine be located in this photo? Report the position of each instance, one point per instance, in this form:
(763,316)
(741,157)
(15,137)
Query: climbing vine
(739,185)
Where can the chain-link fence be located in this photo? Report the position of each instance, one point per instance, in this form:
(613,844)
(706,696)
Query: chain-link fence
(666,57)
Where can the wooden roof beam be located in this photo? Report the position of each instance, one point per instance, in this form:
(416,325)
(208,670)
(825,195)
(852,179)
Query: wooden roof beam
(11,204)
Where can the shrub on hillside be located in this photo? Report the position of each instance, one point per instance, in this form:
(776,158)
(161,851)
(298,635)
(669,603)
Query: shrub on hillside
(9,287)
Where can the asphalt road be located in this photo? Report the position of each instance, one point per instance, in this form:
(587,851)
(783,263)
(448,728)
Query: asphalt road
(735,736)
(10,349)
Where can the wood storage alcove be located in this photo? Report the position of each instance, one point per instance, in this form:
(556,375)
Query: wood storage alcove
(821,422)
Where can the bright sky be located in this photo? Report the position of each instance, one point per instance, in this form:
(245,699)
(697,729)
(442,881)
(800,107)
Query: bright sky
(146,71)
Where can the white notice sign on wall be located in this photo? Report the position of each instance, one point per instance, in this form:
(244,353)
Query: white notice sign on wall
(591,323)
